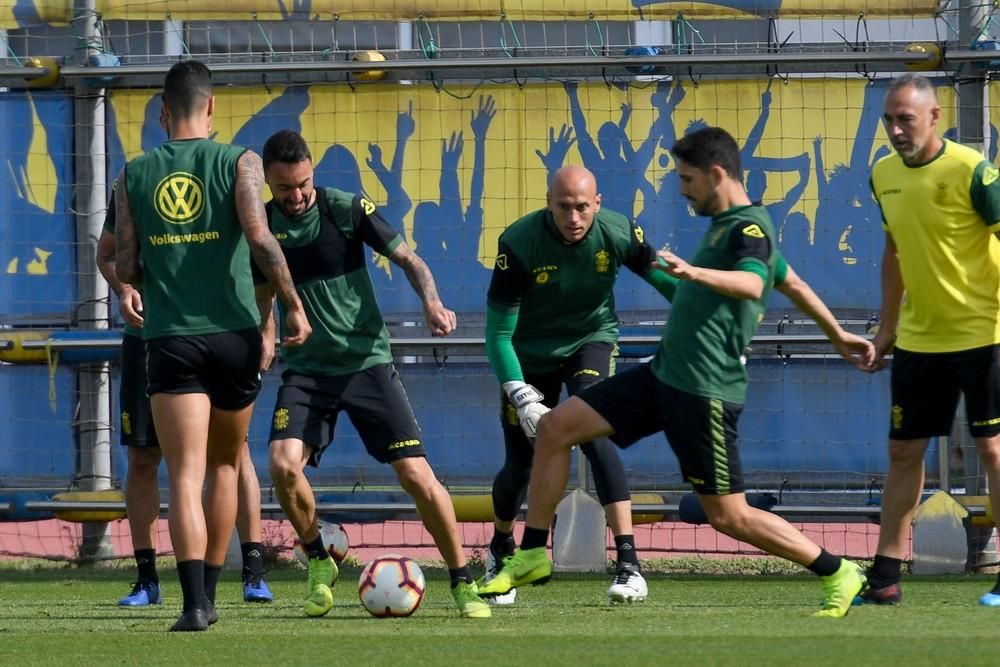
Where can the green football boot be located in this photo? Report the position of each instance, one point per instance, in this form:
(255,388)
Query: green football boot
(323,572)
(839,590)
(469,603)
(526,566)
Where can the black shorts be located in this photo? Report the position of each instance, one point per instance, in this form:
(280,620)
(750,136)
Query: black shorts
(226,366)
(701,431)
(135,416)
(926,388)
(591,363)
(375,402)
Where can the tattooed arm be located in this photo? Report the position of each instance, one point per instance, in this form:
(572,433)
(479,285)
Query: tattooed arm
(265,249)
(127,266)
(440,320)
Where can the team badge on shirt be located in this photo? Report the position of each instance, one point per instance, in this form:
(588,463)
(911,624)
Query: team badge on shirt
(602,261)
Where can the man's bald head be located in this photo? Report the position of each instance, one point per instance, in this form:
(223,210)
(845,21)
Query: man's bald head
(573,177)
(573,201)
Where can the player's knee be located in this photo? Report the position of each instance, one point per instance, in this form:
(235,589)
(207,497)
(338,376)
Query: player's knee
(416,477)
(283,467)
(728,520)
(144,462)
(906,453)
(550,433)
(989,452)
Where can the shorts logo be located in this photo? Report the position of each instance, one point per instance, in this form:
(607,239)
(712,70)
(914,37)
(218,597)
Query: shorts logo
(754,231)
(367,205)
(990,174)
(586,371)
(126,423)
(502,262)
(640,235)
(542,278)
(510,415)
(401,444)
(281,419)
(897,416)
(602,261)
(179,198)
(695,480)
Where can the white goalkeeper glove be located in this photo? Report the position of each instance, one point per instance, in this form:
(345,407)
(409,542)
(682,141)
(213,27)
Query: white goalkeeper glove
(528,402)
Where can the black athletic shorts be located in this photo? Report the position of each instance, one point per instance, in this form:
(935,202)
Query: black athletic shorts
(591,363)
(225,365)
(926,388)
(374,400)
(701,431)
(135,416)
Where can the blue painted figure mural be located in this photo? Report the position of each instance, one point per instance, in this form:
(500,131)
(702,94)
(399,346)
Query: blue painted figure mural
(620,168)
(447,239)
(338,168)
(39,262)
(847,235)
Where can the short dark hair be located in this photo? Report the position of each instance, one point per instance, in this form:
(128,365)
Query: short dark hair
(918,81)
(708,147)
(286,146)
(187,88)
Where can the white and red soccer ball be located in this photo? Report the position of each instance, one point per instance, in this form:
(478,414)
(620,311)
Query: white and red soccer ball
(334,537)
(391,586)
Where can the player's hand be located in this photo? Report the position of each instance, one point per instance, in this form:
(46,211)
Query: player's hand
(440,320)
(267,345)
(673,265)
(883,343)
(528,402)
(130,305)
(857,350)
(299,328)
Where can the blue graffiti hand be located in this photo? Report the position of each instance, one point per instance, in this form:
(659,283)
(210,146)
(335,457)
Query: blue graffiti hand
(451,151)
(659,98)
(765,98)
(558,148)
(677,94)
(405,125)
(374,162)
(481,119)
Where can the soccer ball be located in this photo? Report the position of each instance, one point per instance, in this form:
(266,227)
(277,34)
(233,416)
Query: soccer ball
(334,537)
(391,585)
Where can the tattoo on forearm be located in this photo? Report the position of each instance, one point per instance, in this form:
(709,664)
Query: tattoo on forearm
(250,211)
(417,272)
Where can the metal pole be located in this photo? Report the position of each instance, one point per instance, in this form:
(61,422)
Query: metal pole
(93,380)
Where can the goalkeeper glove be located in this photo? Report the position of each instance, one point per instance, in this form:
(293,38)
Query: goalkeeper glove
(528,402)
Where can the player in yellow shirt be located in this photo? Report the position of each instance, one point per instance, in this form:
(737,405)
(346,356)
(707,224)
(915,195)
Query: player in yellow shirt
(940,206)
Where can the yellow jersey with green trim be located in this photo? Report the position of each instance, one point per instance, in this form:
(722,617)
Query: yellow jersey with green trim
(942,216)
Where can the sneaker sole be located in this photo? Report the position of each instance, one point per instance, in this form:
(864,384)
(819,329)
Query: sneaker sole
(621,599)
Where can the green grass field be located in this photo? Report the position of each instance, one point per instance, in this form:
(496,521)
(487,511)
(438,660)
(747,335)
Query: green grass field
(67,616)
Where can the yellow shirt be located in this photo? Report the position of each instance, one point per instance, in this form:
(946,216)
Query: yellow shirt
(942,216)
